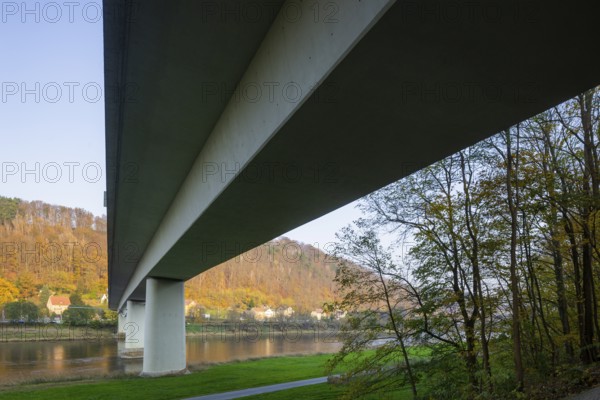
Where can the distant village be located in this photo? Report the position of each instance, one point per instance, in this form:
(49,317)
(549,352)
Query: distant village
(197,313)
(57,305)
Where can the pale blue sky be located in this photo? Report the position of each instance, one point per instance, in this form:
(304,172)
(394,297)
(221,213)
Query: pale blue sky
(41,57)
(44,49)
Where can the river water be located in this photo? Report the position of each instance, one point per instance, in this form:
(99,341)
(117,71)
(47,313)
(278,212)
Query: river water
(98,356)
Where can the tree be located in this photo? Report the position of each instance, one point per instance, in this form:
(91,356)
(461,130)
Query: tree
(373,295)
(585,131)
(44,295)
(8,209)
(111,316)
(8,291)
(21,311)
(26,285)
(78,312)
(512,200)
(443,208)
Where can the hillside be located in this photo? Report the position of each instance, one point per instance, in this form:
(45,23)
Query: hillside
(279,273)
(43,244)
(65,249)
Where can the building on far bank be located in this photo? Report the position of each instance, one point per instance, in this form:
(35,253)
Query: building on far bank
(285,312)
(318,314)
(58,304)
(189,305)
(339,314)
(262,313)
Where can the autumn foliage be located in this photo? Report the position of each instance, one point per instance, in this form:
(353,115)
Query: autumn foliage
(64,249)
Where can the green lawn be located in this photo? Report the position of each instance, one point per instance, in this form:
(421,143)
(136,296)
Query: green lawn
(215,379)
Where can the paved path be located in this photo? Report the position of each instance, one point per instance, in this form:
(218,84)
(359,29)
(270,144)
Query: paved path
(593,394)
(262,389)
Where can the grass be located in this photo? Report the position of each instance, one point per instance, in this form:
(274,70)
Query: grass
(211,379)
(215,379)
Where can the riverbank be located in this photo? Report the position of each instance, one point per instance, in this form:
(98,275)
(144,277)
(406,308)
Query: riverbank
(203,380)
(248,331)
(251,331)
(38,332)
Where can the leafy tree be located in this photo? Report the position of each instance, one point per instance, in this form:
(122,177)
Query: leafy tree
(374,294)
(251,303)
(21,310)
(233,315)
(44,295)
(27,286)
(78,312)
(8,209)
(76,299)
(110,316)
(8,291)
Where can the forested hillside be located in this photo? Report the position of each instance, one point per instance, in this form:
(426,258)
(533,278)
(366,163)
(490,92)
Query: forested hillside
(65,249)
(278,273)
(43,244)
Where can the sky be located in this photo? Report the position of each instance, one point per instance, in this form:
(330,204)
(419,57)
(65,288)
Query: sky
(52,105)
(52,111)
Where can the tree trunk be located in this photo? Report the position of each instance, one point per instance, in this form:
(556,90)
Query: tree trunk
(557,256)
(474,257)
(590,190)
(514,284)
(398,333)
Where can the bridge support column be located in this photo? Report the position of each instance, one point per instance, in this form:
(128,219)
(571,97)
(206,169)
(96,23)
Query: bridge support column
(121,321)
(134,329)
(164,352)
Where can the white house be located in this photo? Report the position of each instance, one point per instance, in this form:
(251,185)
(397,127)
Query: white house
(262,313)
(189,305)
(285,312)
(318,314)
(58,304)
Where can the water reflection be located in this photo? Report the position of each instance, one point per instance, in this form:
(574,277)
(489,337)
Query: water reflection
(46,359)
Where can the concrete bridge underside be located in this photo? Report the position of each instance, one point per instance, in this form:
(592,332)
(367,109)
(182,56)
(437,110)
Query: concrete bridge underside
(333,100)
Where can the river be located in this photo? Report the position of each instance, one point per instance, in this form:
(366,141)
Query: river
(32,360)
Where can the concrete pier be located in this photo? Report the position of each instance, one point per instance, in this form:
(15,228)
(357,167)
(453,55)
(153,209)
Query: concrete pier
(164,352)
(134,329)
